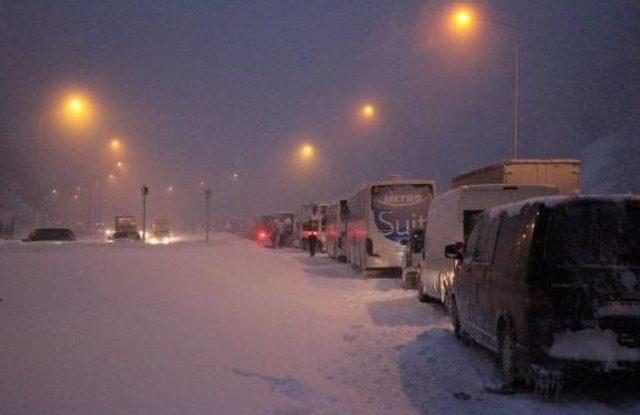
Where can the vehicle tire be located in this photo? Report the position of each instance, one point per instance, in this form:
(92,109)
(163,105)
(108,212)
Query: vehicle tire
(455,320)
(445,297)
(507,356)
(422,295)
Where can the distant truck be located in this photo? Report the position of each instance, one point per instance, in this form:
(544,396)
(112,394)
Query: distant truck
(561,173)
(311,219)
(126,224)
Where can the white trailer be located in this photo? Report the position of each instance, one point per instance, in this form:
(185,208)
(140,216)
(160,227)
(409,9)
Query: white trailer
(561,173)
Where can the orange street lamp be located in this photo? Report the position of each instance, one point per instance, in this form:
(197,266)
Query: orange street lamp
(307,151)
(462,18)
(115,144)
(368,111)
(76,105)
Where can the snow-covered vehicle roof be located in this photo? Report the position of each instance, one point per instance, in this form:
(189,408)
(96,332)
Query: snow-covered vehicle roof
(513,209)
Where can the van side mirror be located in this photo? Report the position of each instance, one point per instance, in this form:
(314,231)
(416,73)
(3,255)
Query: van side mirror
(454,251)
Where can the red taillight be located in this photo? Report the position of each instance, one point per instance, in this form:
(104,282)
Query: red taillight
(262,235)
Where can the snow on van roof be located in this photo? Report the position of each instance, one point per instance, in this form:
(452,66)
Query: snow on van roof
(513,209)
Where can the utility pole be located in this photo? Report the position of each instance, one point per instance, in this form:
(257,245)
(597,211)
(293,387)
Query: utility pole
(145,191)
(207,200)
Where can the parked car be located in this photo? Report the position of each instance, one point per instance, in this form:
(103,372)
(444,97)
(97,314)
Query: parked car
(411,258)
(125,236)
(451,216)
(552,285)
(50,234)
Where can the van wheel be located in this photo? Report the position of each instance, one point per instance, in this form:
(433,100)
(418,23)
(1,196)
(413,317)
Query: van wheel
(422,296)
(507,356)
(455,320)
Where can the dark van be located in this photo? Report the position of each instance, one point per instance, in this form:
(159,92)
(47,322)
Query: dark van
(552,285)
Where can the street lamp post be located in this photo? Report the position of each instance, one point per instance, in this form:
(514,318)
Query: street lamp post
(207,202)
(463,19)
(36,176)
(144,191)
(75,108)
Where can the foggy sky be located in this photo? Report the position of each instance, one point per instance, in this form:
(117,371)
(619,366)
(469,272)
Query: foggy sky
(198,90)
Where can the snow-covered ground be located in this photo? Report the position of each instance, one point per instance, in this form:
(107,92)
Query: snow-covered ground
(233,328)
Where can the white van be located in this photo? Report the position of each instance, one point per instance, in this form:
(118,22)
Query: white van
(450,219)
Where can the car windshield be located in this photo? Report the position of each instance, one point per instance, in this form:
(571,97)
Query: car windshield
(595,233)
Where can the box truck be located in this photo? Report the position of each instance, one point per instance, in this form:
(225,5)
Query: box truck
(561,173)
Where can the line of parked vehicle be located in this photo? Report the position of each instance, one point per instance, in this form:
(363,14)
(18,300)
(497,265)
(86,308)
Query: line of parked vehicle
(125,230)
(546,279)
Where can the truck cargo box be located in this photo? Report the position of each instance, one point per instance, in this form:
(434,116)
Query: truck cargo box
(561,173)
(126,224)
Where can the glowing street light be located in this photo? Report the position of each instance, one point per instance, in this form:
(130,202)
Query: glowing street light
(120,165)
(170,189)
(54,191)
(307,151)
(235,175)
(76,105)
(115,144)
(111,177)
(463,18)
(368,111)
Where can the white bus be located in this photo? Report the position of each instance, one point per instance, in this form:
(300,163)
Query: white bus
(381,215)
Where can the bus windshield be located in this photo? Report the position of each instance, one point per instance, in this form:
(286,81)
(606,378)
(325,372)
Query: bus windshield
(398,208)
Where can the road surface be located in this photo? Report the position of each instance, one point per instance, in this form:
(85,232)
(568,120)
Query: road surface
(233,328)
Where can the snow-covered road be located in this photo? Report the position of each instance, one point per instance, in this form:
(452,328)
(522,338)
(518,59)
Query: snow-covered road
(233,328)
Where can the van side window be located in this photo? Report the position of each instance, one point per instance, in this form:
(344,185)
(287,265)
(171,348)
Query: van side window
(469,217)
(472,242)
(487,241)
(512,249)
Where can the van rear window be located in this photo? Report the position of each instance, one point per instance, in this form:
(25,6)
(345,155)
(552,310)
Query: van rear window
(600,233)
